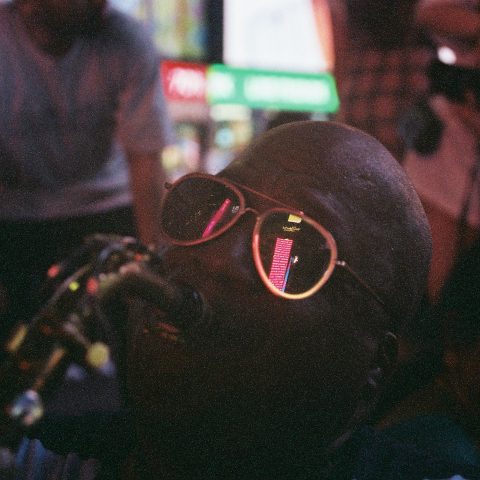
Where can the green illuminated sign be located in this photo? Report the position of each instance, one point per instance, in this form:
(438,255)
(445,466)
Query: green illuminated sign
(270,89)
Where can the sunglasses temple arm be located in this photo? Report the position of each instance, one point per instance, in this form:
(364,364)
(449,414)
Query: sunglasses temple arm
(346,266)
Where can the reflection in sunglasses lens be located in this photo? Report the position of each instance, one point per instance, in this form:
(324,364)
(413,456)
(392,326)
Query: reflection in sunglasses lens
(294,254)
(197,208)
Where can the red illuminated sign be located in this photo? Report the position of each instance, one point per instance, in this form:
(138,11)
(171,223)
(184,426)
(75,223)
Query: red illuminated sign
(184,81)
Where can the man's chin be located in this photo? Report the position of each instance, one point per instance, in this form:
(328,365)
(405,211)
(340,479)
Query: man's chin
(227,445)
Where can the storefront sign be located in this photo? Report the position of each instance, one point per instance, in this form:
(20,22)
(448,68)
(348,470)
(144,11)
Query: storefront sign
(219,84)
(271,89)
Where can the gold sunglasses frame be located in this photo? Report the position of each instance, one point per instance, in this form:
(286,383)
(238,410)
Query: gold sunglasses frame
(235,187)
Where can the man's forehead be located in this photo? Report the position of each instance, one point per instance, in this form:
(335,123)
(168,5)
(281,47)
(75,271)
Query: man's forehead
(290,182)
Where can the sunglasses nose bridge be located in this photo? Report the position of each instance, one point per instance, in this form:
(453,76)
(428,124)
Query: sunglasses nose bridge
(242,215)
(235,244)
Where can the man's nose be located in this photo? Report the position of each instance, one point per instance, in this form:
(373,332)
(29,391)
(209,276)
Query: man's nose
(233,250)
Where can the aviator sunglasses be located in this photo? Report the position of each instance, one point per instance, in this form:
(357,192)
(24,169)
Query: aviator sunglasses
(294,255)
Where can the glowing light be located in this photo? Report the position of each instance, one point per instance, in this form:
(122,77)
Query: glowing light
(294,218)
(92,286)
(447,55)
(74,286)
(17,339)
(98,354)
(53,271)
(24,365)
(46,330)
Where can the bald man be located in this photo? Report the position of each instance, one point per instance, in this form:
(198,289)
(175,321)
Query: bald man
(269,326)
(308,252)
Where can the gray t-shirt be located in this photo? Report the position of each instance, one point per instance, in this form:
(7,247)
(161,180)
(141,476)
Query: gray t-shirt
(65,123)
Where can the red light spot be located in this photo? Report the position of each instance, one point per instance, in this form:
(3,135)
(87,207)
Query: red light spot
(92,286)
(24,365)
(53,271)
(46,330)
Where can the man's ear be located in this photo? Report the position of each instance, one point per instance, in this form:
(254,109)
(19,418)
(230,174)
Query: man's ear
(382,366)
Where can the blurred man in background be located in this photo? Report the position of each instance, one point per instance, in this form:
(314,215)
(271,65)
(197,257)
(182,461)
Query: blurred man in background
(447,177)
(82,123)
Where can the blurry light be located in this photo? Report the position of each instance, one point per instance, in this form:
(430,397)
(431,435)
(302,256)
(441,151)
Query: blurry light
(92,286)
(74,286)
(447,55)
(46,330)
(221,112)
(224,138)
(294,218)
(221,84)
(53,271)
(17,339)
(24,365)
(98,354)
(171,157)
(127,6)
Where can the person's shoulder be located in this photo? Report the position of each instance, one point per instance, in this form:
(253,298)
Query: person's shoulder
(403,461)
(126,31)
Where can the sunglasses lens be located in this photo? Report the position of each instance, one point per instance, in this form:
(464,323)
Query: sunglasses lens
(294,254)
(198,208)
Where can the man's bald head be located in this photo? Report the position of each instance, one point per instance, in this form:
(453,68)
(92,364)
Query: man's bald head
(277,380)
(349,182)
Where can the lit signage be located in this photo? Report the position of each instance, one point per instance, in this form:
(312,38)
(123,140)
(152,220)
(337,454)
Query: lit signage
(312,92)
(263,89)
(183,81)
(286,35)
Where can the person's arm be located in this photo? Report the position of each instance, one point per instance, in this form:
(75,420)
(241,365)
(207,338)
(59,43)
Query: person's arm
(444,17)
(147,179)
(144,129)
